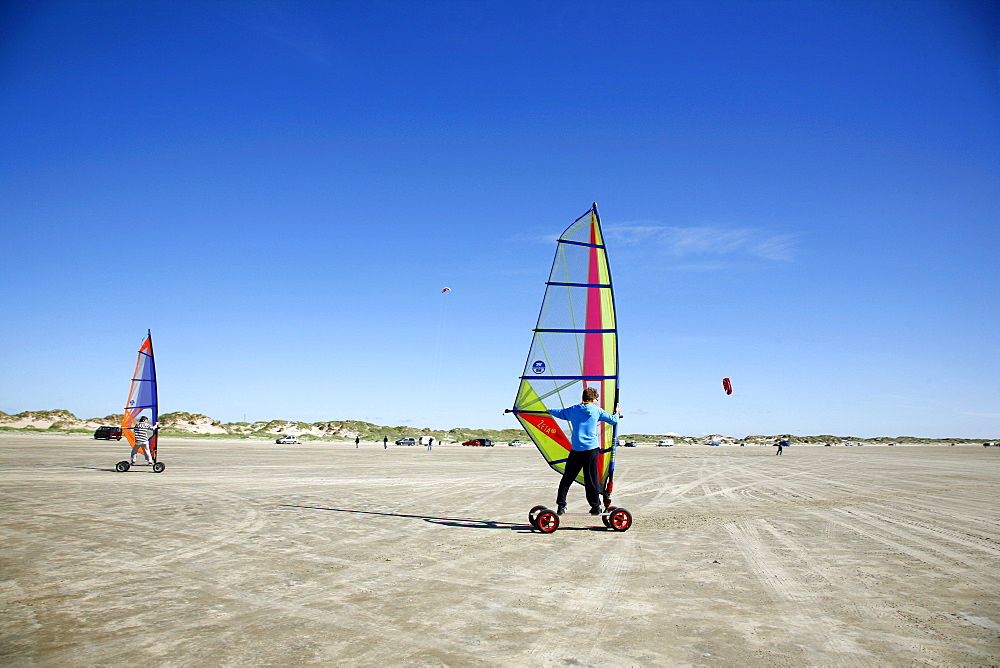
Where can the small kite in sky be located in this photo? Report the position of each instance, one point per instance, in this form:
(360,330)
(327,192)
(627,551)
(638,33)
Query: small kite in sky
(445,289)
(727,385)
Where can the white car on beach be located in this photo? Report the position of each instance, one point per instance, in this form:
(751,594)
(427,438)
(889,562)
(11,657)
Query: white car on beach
(515,444)
(285,439)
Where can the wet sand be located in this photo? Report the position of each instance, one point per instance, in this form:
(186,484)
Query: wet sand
(248,553)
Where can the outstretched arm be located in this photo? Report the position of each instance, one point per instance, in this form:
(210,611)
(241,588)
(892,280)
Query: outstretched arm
(609,417)
(557,412)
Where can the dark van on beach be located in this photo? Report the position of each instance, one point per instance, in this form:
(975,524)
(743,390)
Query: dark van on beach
(108,433)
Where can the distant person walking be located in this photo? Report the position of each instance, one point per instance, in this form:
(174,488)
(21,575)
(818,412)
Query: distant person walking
(143,430)
(357,442)
(385,442)
(781,445)
(430,443)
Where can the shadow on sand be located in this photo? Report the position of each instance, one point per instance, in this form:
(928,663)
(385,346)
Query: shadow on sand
(135,468)
(463,522)
(466,522)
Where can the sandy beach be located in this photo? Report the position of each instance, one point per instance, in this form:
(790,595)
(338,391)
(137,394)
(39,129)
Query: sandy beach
(248,553)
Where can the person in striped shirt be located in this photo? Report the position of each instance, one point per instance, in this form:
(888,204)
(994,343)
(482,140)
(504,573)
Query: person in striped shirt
(143,431)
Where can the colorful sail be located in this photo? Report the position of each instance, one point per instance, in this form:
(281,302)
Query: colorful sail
(575,345)
(142,396)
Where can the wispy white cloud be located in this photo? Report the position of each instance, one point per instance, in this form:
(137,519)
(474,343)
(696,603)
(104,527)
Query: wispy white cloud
(280,23)
(704,240)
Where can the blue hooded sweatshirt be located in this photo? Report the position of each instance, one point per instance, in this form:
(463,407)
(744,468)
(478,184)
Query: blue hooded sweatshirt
(584,418)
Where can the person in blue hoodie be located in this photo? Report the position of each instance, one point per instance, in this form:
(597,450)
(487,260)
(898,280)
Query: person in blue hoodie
(586,447)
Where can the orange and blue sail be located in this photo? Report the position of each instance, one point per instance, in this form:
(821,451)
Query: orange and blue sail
(142,397)
(575,345)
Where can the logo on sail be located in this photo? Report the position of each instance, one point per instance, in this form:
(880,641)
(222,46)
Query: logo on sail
(538,366)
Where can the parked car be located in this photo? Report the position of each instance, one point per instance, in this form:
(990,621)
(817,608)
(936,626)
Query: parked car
(664,442)
(480,441)
(108,433)
(407,440)
(630,444)
(515,444)
(285,439)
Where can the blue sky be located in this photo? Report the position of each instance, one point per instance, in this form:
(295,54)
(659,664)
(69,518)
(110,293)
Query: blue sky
(801,196)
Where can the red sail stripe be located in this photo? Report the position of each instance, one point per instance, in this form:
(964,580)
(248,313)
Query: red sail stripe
(548,426)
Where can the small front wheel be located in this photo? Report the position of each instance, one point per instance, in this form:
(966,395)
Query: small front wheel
(606,516)
(123,466)
(158,467)
(547,521)
(533,515)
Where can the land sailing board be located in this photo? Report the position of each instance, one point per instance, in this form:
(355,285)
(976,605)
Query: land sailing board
(547,520)
(124,465)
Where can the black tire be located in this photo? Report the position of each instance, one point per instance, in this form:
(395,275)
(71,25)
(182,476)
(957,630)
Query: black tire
(547,521)
(620,519)
(606,517)
(158,467)
(533,515)
(123,466)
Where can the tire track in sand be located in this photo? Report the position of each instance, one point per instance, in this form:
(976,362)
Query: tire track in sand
(590,604)
(795,603)
(907,542)
(252,520)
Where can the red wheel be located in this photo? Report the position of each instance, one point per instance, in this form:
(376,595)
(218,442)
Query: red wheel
(547,521)
(606,516)
(620,519)
(533,515)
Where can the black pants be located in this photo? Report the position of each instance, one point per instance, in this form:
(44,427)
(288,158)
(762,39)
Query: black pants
(577,460)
